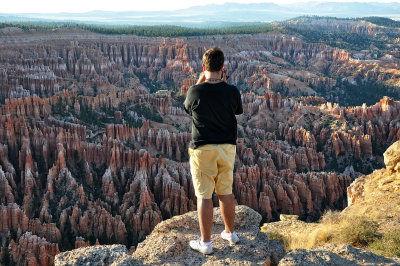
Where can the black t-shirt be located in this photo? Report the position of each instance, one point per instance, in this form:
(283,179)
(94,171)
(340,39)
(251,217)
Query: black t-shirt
(213,107)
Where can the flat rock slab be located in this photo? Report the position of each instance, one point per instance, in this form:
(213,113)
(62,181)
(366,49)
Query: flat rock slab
(334,255)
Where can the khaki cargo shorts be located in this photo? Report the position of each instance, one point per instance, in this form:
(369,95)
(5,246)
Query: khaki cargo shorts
(211,166)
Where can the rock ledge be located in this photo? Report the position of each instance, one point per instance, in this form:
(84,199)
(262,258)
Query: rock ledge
(168,244)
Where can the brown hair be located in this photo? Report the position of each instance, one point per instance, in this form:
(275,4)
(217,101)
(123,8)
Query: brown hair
(213,59)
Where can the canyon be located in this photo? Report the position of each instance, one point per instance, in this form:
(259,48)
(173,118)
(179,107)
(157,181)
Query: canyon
(93,137)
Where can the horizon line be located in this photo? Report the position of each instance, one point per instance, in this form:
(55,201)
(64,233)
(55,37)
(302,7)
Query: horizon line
(174,10)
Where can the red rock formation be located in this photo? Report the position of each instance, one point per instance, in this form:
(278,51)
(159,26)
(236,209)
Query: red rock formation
(166,143)
(33,106)
(187,83)
(99,62)
(138,208)
(273,192)
(33,250)
(13,219)
(80,242)
(342,142)
(97,222)
(6,194)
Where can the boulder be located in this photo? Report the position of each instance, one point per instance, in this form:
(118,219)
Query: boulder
(392,157)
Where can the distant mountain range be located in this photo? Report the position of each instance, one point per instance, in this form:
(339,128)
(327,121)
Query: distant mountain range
(219,14)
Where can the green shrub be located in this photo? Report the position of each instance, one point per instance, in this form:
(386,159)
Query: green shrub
(388,245)
(360,233)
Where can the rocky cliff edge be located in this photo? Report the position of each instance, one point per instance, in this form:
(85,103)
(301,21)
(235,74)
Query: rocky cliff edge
(168,244)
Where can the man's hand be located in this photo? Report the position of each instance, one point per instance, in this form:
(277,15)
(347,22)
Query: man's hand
(201,79)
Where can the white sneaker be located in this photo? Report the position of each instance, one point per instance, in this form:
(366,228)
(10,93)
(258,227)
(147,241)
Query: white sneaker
(200,247)
(232,238)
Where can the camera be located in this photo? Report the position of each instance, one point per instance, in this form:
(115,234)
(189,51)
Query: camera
(224,73)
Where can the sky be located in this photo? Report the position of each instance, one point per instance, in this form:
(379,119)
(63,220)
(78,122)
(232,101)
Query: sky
(78,6)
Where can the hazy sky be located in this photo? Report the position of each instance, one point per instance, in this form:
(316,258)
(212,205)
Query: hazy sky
(47,6)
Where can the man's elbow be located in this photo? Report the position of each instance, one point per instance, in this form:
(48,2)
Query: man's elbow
(239,111)
(186,108)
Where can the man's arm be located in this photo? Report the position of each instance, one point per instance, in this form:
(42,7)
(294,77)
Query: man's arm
(239,108)
(189,98)
(187,103)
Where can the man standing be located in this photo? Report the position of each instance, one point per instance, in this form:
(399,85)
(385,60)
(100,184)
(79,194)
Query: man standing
(213,103)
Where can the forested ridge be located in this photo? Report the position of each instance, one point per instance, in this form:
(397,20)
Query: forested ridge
(344,40)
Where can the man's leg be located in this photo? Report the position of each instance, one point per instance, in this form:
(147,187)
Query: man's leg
(227,204)
(205,211)
(203,167)
(223,187)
